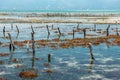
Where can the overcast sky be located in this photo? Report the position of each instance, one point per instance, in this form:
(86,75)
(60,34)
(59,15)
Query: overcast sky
(59,4)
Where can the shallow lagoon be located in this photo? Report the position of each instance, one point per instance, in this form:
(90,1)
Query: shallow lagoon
(72,63)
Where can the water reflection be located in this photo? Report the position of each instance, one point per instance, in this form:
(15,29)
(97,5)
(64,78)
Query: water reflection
(33,60)
(30,73)
(11,56)
(17,35)
(59,37)
(48,36)
(91,66)
(11,48)
(27,46)
(12,26)
(61,67)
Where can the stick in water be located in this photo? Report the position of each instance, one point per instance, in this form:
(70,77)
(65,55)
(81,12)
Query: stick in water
(48,30)
(108,30)
(4,31)
(33,49)
(59,31)
(84,30)
(78,26)
(90,47)
(49,58)
(17,29)
(32,29)
(117,33)
(11,46)
(73,33)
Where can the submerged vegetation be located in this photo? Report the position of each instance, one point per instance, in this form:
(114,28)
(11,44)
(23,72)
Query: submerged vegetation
(67,43)
(33,40)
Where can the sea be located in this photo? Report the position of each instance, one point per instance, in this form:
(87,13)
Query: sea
(73,63)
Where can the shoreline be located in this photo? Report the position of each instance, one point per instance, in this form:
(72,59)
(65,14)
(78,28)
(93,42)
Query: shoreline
(87,18)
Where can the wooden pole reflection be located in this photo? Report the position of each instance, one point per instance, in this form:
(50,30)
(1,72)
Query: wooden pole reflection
(27,46)
(49,58)
(48,36)
(94,27)
(17,35)
(78,26)
(11,26)
(11,48)
(91,66)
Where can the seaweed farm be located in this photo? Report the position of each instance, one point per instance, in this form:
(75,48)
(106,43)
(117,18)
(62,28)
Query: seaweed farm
(59,47)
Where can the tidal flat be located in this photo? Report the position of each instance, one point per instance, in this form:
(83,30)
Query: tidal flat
(58,46)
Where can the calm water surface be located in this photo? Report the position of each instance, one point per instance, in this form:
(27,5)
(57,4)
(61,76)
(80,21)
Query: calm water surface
(67,64)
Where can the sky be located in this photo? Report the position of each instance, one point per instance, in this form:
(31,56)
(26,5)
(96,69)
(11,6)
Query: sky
(59,4)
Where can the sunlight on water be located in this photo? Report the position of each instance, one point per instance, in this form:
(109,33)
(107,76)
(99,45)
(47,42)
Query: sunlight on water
(70,63)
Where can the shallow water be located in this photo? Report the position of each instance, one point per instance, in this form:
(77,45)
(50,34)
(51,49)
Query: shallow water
(73,63)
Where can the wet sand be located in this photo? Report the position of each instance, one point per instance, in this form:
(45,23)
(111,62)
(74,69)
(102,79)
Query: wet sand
(98,18)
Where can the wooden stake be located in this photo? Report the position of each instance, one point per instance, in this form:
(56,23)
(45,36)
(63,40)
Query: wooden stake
(84,30)
(73,33)
(17,28)
(17,31)
(11,46)
(78,26)
(117,32)
(10,37)
(59,31)
(17,35)
(33,49)
(90,47)
(32,29)
(4,31)
(49,58)
(108,30)
(48,30)
(32,35)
